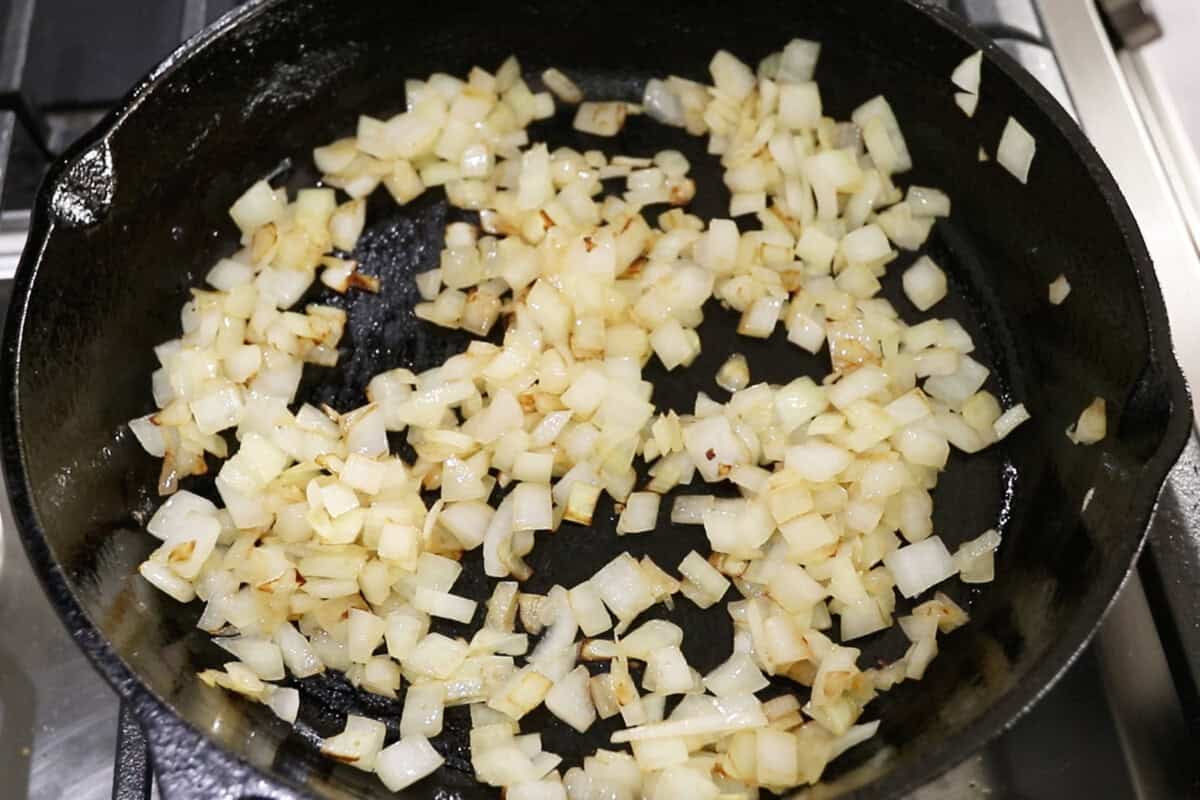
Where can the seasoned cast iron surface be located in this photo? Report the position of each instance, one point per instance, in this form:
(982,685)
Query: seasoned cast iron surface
(109,283)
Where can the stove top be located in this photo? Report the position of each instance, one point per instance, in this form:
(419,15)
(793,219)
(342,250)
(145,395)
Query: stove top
(1115,726)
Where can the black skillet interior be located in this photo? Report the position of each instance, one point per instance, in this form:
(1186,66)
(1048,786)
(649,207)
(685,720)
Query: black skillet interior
(288,76)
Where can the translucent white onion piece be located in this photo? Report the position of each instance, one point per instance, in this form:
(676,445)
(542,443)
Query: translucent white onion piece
(737,675)
(798,62)
(967,102)
(1009,420)
(924,283)
(571,701)
(600,119)
(734,374)
(285,702)
(358,744)
(260,655)
(640,514)
(444,605)
(258,206)
(667,672)
(297,654)
(402,764)
(624,587)
(966,74)
(163,578)
(722,715)
(662,104)
(1016,150)
(149,435)
(974,559)
(650,636)
(1060,287)
(1092,425)
(731,76)
(171,514)
(917,567)
(424,704)
(563,87)
(927,201)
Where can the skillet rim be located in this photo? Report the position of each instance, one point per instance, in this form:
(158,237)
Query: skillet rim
(999,717)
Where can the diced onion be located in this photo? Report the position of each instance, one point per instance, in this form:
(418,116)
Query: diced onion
(734,373)
(1092,425)
(926,201)
(332,552)
(1009,420)
(285,702)
(662,104)
(423,710)
(917,567)
(966,74)
(967,102)
(1016,150)
(738,675)
(1059,289)
(600,119)
(974,560)
(924,283)
(402,764)
(640,513)
(358,745)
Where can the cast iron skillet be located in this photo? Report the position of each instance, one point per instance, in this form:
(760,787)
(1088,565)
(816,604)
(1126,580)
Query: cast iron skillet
(135,214)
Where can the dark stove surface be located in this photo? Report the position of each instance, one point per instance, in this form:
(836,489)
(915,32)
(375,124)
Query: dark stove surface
(1111,728)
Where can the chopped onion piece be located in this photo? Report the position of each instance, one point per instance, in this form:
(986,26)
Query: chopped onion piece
(563,87)
(705,586)
(1009,420)
(734,374)
(444,605)
(667,671)
(258,206)
(623,587)
(358,745)
(966,74)
(531,508)
(423,710)
(285,702)
(600,119)
(640,513)
(967,102)
(1059,289)
(1016,150)
(402,764)
(973,559)
(928,202)
(916,567)
(737,676)
(588,609)
(662,104)
(924,283)
(798,61)
(721,715)
(523,692)
(1092,425)
(149,435)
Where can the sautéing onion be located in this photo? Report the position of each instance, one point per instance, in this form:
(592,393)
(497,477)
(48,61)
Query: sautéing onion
(327,553)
